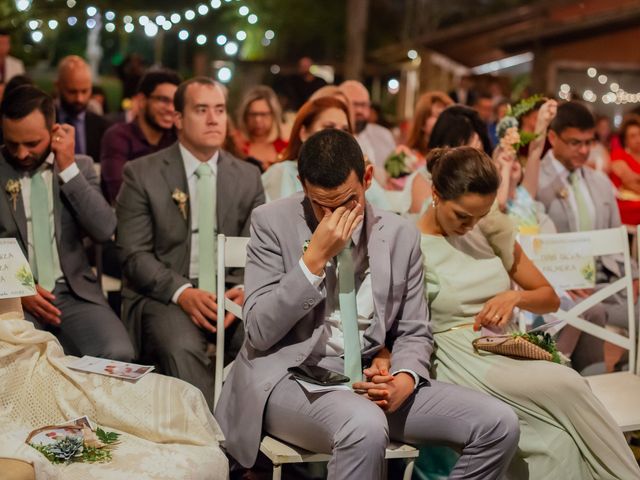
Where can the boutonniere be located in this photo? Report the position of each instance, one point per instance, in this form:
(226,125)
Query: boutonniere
(181,200)
(563,194)
(13,189)
(305,245)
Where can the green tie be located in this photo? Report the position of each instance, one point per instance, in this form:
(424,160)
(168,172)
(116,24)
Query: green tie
(42,235)
(584,218)
(206,229)
(349,315)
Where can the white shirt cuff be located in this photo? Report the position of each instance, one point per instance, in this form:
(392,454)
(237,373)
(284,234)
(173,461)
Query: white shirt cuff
(314,280)
(415,376)
(68,173)
(179,291)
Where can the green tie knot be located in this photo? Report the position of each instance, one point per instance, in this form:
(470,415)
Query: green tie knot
(203,170)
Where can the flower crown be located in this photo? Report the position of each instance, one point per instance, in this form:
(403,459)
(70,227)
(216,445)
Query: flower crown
(511,138)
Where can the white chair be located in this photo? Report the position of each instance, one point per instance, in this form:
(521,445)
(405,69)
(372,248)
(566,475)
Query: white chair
(232,253)
(618,391)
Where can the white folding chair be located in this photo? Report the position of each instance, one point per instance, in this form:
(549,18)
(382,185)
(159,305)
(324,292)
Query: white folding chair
(618,391)
(232,253)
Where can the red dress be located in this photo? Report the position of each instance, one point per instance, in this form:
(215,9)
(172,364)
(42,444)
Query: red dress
(628,201)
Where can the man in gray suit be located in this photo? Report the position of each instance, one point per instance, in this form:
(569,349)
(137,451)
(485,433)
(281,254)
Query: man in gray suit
(51,201)
(578,198)
(158,239)
(291,319)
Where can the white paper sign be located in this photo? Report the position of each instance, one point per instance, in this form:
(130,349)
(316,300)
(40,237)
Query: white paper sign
(566,261)
(16,279)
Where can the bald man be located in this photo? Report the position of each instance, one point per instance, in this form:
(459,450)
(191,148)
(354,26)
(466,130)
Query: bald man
(376,142)
(74,84)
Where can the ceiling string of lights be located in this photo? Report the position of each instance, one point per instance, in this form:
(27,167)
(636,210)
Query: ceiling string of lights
(151,25)
(616,93)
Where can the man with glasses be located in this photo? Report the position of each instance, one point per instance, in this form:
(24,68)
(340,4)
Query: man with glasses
(578,198)
(376,142)
(150,131)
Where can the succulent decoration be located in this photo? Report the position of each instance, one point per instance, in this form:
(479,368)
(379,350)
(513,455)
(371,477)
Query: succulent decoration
(89,446)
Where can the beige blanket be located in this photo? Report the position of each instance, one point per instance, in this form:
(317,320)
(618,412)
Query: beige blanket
(167,429)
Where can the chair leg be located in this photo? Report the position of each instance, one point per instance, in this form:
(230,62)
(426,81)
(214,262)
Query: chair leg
(408,470)
(277,472)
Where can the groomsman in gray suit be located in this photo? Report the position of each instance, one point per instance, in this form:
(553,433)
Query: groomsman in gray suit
(51,200)
(578,198)
(304,307)
(170,208)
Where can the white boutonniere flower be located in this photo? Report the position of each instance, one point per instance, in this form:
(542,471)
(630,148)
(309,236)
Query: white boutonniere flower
(13,189)
(181,199)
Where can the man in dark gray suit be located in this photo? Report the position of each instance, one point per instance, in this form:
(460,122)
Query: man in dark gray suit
(51,201)
(292,318)
(160,212)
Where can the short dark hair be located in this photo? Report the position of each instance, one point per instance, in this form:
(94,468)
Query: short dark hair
(179,98)
(15,82)
(152,78)
(455,127)
(461,170)
(572,115)
(328,157)
(23,100)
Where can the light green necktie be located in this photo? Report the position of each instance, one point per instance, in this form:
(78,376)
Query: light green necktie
(206,229)
(584,218)
(349,315)
(42,235)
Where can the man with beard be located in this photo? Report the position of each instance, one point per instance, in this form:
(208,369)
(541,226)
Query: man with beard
(376,142)
(74,85)
(150,131)
(51,200)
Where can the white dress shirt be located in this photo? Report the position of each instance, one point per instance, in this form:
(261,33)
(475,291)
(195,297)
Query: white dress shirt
(365,306)
(25,187)
(191,164)
(564,173)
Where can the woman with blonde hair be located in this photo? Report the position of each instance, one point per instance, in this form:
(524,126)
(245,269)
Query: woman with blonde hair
(259,119)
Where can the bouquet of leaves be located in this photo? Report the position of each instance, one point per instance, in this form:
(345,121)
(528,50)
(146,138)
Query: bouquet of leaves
(85,446)
(511,138)
(531,345)
(399,164)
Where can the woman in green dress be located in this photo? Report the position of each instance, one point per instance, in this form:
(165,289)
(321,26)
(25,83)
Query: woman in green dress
(565,431)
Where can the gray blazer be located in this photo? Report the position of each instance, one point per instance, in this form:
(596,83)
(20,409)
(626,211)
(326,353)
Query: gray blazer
(154,238)
(79,209)
(550,194)
(284,314)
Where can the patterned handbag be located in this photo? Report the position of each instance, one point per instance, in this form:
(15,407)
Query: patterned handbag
(532,346)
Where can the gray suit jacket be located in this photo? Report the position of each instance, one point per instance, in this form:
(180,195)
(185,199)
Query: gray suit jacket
(79,210)
(551,195)
(154,238)
(284,314)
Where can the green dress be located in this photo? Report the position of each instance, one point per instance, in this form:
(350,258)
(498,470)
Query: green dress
(565,432)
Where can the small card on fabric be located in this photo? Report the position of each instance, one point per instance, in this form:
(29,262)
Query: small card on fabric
(16,279)
(110,368)
(313,388)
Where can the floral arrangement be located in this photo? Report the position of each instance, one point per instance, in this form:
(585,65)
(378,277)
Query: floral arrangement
(181,200)
(400,164)
(544,341)
(511,138)
(13,189)
(85,446)
(25,277)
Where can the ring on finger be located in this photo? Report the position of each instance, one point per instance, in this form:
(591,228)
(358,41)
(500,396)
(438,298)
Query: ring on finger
(57,139)
(497,317)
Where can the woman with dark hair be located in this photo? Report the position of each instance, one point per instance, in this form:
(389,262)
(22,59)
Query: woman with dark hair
(457,125)
(625,170)
(565,431)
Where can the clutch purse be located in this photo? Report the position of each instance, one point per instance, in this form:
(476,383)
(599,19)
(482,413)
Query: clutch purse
(532,346)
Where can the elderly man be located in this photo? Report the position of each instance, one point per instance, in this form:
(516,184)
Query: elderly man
(52,201)
(376,142)
(74,83)
(170,207)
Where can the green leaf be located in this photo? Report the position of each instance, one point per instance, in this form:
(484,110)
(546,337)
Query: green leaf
(523,106)
(107,437)
(544,341)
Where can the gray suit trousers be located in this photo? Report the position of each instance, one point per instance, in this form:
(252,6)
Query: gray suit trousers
(356,431)
(87,328)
